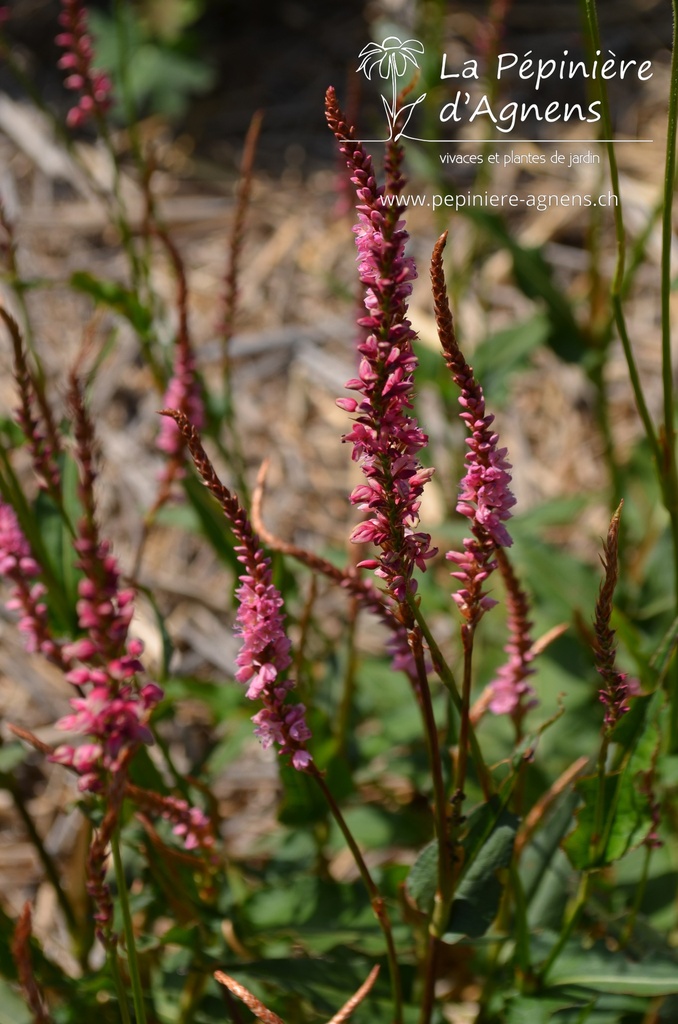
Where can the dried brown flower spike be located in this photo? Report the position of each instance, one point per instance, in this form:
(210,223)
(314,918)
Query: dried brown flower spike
(268,1017)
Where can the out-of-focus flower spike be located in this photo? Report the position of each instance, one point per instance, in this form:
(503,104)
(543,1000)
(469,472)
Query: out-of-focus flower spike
(355,1000)
(18,565)
(267,1016)
(511,694)
(94,86)
(264,655)
(183,391)
(614,693)
(237,233)
(190,824)
(21,954)
(261,1012)
(42,437)
(97,860)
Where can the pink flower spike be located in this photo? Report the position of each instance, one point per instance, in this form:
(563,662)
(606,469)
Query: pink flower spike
(264,657)
(94,85)
(386,438)
(485,498)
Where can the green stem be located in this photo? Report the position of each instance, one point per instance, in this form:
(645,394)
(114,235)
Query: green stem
(641,404)
(591,15)
(449,682)
(575,914)
(132,960)
(376,899)
(598,840)
(349,682)
(468,633)
(118,984)
(443,895)
(637,899)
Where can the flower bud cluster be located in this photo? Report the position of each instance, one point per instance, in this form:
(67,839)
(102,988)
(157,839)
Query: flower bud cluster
(94,86)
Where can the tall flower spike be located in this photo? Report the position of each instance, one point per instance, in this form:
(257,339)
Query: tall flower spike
(386,439)
(615,691)
(265,653)
(485,497)
(114,709)
(94,86)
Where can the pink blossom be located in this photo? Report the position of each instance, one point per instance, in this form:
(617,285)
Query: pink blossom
(265,653)
(386,439)
(485,497)
(264,657)
(19,566)
(183,393)
(94,86)
(511,694)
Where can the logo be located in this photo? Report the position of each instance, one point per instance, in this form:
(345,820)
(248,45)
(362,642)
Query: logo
(392,58)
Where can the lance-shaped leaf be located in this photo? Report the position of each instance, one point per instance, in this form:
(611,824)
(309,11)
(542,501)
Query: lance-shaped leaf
(627,809)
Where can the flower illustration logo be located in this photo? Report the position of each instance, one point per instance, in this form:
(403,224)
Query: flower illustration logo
(391,57)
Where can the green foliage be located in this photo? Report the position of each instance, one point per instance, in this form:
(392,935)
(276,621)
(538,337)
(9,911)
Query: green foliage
(151,60)
(604,834)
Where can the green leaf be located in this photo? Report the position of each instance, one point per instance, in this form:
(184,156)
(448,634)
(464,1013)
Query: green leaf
(422,880)
(528,1010)
(115,296)
(600,970)
(626,809)
(13,1008)
(303,803)
(212,521)
(478,895)
(535,278)
(502,354)
(11,756)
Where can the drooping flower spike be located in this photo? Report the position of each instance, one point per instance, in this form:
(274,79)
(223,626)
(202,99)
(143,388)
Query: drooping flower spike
(265,652)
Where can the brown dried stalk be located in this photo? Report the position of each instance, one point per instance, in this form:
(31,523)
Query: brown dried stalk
(535,816)
(21,954)
(267,1016)
(238,231)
